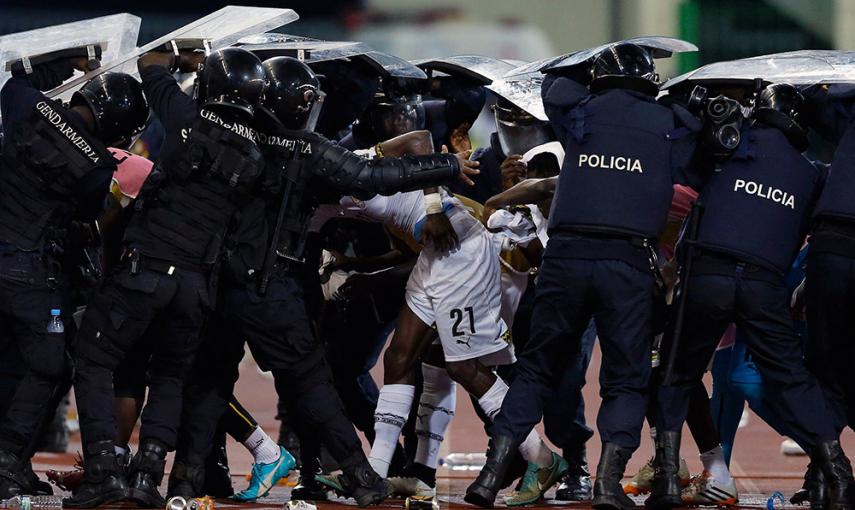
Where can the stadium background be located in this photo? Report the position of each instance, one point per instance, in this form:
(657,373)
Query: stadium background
(512,29)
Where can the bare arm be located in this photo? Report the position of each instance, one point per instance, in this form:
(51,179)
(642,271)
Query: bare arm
(529,191)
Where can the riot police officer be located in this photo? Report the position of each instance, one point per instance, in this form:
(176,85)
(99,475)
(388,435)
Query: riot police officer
(516,133)
(262,296)
(829,278)
(624,151)
(755,212)
(55,167)
(161,291)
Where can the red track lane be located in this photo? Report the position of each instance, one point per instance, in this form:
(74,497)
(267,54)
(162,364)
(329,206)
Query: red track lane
(757,464)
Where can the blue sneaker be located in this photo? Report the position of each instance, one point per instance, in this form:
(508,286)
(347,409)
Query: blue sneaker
(265,476)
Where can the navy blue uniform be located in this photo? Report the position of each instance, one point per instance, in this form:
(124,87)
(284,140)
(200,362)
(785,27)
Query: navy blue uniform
(830,284)
(52,171)
(275,323)
(757,207)
(162,291)
(624,152)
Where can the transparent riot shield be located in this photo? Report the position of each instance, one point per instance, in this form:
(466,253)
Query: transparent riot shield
(216,30)
(101,40)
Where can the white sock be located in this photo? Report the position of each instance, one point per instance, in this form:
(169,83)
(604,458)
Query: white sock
(120,450)
(491,401)
(436,409)
(264,450)
(533,449)
(393,408)
(713,462)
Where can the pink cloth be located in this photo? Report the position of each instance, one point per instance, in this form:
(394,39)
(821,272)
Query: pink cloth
(131,173)
(681,204)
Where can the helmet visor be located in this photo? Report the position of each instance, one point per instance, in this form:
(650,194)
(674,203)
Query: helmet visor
(518,131)
(391,119)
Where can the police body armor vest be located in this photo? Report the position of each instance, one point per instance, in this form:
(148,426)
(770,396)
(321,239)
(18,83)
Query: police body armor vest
(838,196)
(616,176)
(186,209)
(757,206)
(42,166)
(286,183)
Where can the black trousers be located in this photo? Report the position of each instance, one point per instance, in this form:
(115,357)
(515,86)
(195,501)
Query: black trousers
(830,300)
(26,301)
(166,312)
(564,413)
(278,331)
(757,302)
(569,292)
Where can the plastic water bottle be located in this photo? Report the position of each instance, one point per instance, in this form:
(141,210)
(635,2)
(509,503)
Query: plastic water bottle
(55,324)
(33,503)
(464,461)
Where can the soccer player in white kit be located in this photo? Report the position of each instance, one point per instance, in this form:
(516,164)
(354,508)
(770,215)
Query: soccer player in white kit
(459,291)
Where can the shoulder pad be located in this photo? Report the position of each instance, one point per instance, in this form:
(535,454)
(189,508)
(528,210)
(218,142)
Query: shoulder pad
(563,92)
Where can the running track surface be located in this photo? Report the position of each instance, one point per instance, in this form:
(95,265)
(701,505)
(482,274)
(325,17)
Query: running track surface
(758,465)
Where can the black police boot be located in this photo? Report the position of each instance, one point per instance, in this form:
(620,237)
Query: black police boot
(576,482)
(146,472)
(608,492)
(103,479)
(828,456)
(362,483)
(500,453)
(187,478)
(38,487)
(13,476)
(218,478)
(308,489)
(665,493)
(813,491)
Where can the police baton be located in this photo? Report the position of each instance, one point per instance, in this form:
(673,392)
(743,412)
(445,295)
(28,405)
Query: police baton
(270,257)
(688,254)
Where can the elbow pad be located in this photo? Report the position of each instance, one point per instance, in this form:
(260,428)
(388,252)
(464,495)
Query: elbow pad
(352,174)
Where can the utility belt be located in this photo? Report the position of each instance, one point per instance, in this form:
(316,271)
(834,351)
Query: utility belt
(139,261)
(637,241)
(47,257)
(642,243)
(710,262)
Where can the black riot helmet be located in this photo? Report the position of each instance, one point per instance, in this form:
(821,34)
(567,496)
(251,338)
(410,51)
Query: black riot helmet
(396,115)
(518,130)
(232,78)
(779,105)
(118,106)
(625,65)
(293,94)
